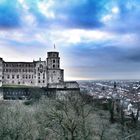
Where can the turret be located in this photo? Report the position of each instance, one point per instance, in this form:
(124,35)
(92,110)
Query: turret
(53,60)
(54,73)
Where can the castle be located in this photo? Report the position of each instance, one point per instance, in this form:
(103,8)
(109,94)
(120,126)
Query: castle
(36,73)
(42,74)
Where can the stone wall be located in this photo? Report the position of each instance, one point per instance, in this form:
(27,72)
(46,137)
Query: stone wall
(69,84)
(21,93)
(55,76)
(41,74)
(18,73)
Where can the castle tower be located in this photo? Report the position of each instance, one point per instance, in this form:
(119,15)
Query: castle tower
(1,71)
(53,60)
(54,73)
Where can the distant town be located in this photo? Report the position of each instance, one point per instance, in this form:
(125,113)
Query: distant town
(129,90)
(126,91)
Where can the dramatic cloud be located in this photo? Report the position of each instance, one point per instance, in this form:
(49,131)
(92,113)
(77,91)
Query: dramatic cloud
(97,39)
(9,14)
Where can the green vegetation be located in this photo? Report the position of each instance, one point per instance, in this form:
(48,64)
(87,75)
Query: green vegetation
(73,117)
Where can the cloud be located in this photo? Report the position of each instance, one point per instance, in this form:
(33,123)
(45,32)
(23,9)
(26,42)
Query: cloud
(125,18)
(96,38)
(9,14)
(67,14)
(109,63)
(81,15)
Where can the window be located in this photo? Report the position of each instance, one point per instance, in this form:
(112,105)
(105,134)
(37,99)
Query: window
(17,76)
(8,76)
(23,76)
(53,66)
(43,75)
(53,61)
(38,81)
(13,76)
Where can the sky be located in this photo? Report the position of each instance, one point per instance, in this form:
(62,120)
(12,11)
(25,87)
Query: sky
(97,39)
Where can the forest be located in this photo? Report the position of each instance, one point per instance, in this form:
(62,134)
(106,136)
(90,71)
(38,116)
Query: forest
(71,117)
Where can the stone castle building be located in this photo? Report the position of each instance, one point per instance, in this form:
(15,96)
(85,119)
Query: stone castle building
(19,79)
(37,73)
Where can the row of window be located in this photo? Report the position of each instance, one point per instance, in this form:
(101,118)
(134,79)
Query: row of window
(13,82)
(40,78)
(17,93)
(41,81)
(18,65)
(18,70)
(55,61)
(18,76)
(40,74)
(23,76)
(55,66)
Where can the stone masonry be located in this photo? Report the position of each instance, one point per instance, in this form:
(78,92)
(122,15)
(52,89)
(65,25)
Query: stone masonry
(37,73)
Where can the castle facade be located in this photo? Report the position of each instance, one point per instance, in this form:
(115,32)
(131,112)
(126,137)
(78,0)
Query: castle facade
(37,73)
